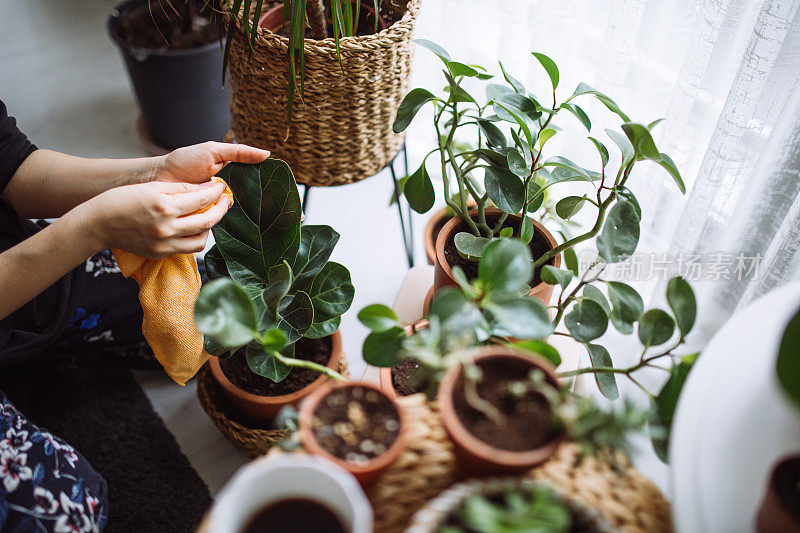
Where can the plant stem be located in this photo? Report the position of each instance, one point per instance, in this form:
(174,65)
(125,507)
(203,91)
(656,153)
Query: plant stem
(301,363)
(479,404)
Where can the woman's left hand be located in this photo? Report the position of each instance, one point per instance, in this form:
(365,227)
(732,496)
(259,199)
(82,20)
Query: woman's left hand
(200,162)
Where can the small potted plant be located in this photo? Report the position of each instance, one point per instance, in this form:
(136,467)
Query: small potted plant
(319,83)
(291,493)
(355,425)
(493,311)
(271,313)
(510,133)
(173,58)
(510,505)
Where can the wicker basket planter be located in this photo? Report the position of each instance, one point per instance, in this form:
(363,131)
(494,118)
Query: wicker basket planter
(341,129)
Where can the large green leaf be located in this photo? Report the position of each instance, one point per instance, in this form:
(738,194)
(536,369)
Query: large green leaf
(550,66)
(279,282)
(625,146)
(224,313)
(641,140)
(383,348)
(788,365)
(521,318)
(263,225)
(606,381)
(505,189)
(593,293)
(628,305)
(316,246)
(505,266)
(587,321)
(620,234)
(655,327)
(680,297)
(469,246)
(319,330)
(295,315)
(418,190)
(378,317)
(264,363)
(215,264)
(493,134)
(331,292)
(409,107)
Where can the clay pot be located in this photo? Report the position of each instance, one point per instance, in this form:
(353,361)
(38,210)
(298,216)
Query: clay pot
(443,273)
(478,457)
(387,386)
(364,473)
(774,516)
(273,21)
(430,228)
(263,409)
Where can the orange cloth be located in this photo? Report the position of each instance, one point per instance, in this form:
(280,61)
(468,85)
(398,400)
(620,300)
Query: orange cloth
(168,289)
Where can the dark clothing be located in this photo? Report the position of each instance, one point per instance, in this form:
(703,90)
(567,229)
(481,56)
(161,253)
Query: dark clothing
(14,147)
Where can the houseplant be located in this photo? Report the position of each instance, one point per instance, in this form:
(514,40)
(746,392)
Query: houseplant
(510,505)
(509,134)
(324,104)
(493,310)
(275,301)
(173,59)
(355,425)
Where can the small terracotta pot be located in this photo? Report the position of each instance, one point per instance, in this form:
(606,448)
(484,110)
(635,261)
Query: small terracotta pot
(475,456)
(430,227)
(443,273)
(774,516)
(263,409)
(364,473)
(387,385)
(273,21)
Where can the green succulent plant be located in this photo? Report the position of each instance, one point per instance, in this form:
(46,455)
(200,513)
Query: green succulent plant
(271,280)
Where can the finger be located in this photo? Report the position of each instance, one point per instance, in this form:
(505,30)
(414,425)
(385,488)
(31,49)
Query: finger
(169,187)
(240,153)
(194,224)
(190,244)
(197,199)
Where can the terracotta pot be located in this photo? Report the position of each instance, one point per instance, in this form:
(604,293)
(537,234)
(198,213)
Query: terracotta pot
(387,385)
(443,273)
(430,227)
(273,21)
(774,516)
(478,457)
(364,473)
(263,409)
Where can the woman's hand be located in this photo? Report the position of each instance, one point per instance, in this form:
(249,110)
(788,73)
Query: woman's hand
(149,219)
(198,163)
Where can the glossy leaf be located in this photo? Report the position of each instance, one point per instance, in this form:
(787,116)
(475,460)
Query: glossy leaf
(606,381)
(556,276)
(419,191)
(550,66)
(680,297)
(435,48)
(262,227)
(224,313)
(280,280)
(493,134)
(383,349)
(493,90)
(515,83)
(505,189)
(316,246)
(457,92)
(655,327)
(506,266)
(331,292)
(295,315)
(601,149)
(628,305)
(264,363)
(667,162)
(409,108)
(215,264)
(580,114)
(620,234)
(526,231)
(625,146)
(593,293)
(469,246)
(586,321)
(567,207)
(571,260)
(545,135)
(665,403)
(319,330)
(517,165)
(460,69)
(642,141)
(624,193)
(521,318)
(539,348)
(378,317)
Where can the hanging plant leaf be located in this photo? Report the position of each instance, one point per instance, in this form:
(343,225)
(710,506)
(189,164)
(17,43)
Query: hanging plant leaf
(593,293)
(587,321)
(409,108)
(568,207)
(620,234)
(655,327)
(419,191)
(556,276)
(606,381)
(642,141)
(493,134)
(521,318)
(680,297)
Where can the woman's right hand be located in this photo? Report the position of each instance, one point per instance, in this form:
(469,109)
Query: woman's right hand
(148,219)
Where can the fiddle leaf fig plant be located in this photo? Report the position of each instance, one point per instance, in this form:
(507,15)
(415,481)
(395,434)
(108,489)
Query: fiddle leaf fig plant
(272,281)
(509,130)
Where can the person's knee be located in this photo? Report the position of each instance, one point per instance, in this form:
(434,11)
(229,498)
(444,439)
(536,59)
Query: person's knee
(45,484)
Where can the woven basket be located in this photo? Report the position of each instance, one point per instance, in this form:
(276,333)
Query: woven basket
(252,441)
(341,129)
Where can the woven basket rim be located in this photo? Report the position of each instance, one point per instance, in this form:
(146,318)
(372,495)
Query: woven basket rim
(386,38)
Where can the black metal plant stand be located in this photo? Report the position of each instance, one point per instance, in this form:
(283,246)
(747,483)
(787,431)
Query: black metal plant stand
(405,218)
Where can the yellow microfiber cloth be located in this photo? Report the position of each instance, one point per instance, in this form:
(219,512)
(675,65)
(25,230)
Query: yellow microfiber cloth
(168,288)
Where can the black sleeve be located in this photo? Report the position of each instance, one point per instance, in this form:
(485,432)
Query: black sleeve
(14,147)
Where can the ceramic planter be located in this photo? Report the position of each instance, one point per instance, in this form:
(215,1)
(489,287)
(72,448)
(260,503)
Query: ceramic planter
(443,273)
(775,515)
(278,477)
(387,385)
(432,516)
(474,455)
(263,409)
(179,91)
(372,469)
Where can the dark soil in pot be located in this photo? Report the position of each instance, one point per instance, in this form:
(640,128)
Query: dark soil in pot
(787,485)
(529,419)
(355,424)
(295,515)
(401,377)
(236,370)
(159,26)
(538,245)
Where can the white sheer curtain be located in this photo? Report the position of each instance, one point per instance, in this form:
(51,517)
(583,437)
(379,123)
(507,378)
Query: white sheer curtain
(723,73)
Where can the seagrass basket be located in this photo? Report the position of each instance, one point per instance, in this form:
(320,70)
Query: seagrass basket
(341,127)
